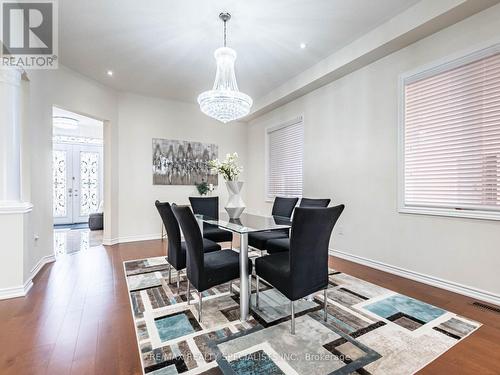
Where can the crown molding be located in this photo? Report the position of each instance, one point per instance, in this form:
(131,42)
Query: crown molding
(7,207)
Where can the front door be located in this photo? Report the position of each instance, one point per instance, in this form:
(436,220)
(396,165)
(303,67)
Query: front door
(77,182)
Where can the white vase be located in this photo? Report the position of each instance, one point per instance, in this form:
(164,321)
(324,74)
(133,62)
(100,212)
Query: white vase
(235,205)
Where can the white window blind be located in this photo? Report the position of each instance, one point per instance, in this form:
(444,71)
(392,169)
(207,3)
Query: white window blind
(452,137)
(285,160)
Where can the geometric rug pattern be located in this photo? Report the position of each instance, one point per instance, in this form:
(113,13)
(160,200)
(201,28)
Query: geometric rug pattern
(370,329)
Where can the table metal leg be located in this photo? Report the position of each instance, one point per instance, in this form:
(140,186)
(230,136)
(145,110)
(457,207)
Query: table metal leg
(244,287)
(249,289)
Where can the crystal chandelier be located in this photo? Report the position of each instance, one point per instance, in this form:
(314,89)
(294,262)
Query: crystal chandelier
(63,122)
(225,102)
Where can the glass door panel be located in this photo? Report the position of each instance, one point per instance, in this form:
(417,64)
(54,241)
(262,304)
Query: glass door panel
(77,182)
(88,194)
(62,184)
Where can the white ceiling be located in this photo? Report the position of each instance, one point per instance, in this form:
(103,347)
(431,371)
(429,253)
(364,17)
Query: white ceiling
(165,48)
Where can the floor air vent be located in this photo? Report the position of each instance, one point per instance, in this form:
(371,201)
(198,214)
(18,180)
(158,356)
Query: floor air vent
(484,306)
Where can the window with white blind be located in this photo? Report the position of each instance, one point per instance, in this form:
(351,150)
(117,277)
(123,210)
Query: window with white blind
(285,155)
(451,138)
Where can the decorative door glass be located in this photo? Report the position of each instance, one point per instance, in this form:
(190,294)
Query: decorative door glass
(84,240)
(60,242)
(77,180)
(60,165)
(89,182)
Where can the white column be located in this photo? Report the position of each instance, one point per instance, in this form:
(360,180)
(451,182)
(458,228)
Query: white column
(15,280)
(10,137)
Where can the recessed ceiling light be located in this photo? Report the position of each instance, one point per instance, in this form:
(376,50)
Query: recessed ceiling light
(109,73)
(303,45)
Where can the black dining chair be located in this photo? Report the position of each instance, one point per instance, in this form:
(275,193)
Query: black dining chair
(205,270)
(314,202)
(278,245)
(176,255)
(304,269)
(282,207)
(209,206)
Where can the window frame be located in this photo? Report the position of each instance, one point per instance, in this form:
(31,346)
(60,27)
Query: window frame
(426,71)
(268,130)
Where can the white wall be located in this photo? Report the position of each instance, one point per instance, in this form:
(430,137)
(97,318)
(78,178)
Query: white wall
(66,89)
(130,123)
(350,155)
(351,137)
(141,119)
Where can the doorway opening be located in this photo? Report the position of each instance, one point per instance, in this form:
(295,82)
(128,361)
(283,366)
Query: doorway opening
(77,181)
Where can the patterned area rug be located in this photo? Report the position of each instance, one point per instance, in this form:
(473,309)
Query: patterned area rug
(370,329)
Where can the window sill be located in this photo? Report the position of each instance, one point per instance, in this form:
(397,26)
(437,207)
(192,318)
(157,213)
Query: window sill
(467,214)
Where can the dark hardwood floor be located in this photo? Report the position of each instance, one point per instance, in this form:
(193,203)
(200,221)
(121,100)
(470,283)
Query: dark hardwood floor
(77,318)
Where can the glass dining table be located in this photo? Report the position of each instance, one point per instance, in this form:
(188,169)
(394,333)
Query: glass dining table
(245,224)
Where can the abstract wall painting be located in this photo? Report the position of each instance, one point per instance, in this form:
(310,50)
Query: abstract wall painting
(183,162)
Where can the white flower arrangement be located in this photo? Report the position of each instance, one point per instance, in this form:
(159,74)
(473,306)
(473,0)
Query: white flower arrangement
(229,168)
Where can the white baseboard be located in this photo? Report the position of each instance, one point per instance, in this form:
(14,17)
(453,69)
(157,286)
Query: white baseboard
(21,291)
(18,291)
(416,276)
(42,262)
(110,241)
(142,237)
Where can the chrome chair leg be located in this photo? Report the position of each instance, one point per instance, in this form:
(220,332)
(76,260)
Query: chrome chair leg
(250,286)
(178,280)
(189,293)
(230,287)
(325,300)
(199,306)
(257,292)
(169,274)
(249,291)
(292,328)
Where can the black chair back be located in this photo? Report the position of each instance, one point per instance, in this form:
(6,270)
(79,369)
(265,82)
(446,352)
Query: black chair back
(208,206)
(194,243)
(284,206)
(312,202)
(174,255)
(309,240)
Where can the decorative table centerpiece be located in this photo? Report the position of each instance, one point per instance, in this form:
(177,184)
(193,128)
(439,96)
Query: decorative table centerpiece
(230,171)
